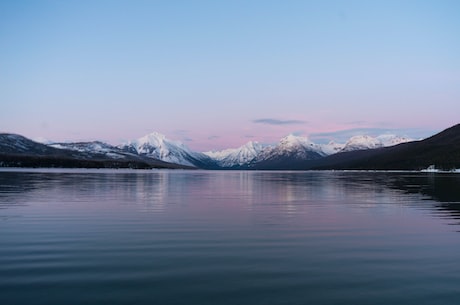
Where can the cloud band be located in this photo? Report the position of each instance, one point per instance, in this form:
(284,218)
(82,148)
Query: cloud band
(272,121)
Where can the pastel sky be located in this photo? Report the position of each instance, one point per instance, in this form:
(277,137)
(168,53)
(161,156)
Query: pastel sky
(216,74)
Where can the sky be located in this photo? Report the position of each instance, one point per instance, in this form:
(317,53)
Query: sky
(217,74)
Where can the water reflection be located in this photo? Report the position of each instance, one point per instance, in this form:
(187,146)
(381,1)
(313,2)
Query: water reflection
(442,188)
(287,191)
(211,237)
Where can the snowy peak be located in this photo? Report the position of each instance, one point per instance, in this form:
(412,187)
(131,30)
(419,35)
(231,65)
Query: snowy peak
(249,149)
(156,145)
(156,139)
(332,147)
(368,142)
(291,146)
(237,156)
(291,143)
(156,142)
(390,139)
(362,142)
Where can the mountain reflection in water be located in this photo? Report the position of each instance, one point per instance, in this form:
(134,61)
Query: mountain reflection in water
(228,237)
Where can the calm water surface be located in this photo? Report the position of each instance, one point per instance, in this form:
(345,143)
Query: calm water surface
(212,237)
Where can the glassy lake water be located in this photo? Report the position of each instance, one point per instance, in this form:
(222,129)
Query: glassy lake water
(228,237)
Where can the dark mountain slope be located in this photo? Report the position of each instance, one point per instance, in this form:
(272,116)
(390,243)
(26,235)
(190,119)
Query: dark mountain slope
(287,161)
(441,150)
(18,145)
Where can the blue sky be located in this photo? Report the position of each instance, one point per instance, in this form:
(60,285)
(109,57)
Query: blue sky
(216,74)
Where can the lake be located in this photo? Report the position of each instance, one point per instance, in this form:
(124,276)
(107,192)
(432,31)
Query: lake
(228,237)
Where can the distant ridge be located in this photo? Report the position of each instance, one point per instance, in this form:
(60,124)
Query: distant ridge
(441,150)
(294,152)
(290,153)
(18,151)
(157,146)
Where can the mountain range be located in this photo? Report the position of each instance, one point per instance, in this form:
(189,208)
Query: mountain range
(18,151)
(441,150)
(290,153)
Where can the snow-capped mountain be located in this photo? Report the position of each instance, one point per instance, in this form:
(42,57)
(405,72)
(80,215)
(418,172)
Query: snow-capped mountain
(290,152)
(102,151)
(287,153)
(18,151)
(257,155)
(441,150)
(368,142)
(391,140)
(95,147)
(157,146)
(294,146)
(361,142)
(292,149)
(332,147)
(232,157)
